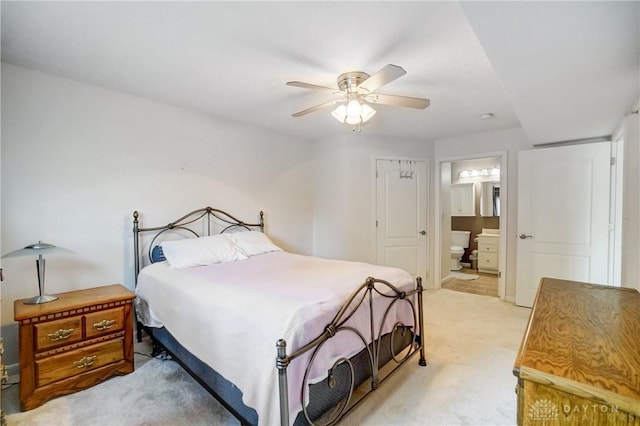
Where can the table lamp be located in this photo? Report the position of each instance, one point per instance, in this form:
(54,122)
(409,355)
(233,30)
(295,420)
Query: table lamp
(39,249)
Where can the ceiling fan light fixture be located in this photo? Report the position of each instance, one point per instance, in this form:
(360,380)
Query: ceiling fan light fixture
(367,113)
(340,113)
(354,109)
(353,120)
(353,114)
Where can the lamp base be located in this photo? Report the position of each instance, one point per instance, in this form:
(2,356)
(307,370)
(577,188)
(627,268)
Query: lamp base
(40,299)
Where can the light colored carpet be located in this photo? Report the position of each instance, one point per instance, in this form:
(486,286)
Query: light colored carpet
(471,344)
(159,393)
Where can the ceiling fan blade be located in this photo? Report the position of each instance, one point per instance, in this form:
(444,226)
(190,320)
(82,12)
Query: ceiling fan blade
(405,101)
(317,107)
(386,75)
(311,86)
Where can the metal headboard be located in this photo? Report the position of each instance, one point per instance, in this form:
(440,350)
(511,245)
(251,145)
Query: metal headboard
(205,215)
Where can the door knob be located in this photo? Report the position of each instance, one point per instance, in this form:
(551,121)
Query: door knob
(423,232)
(524,237)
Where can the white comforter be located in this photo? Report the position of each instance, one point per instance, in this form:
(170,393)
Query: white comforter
(230,315)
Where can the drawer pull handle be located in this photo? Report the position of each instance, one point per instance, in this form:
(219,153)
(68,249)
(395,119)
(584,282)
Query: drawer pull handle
(60,334)
(5,374)
(85,361)
(104,324)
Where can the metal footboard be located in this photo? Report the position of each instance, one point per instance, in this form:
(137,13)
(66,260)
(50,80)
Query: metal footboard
(373,345)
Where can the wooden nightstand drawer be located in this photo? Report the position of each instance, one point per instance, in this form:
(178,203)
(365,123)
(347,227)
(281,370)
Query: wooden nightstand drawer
(56,333)
(57,367)
(108,321)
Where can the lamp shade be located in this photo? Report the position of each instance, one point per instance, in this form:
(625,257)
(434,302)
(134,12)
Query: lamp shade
(39,249)
(36,249)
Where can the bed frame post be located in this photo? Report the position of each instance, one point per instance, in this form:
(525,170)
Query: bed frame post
(423,359)
(282,362)
(136,254)
(136,263)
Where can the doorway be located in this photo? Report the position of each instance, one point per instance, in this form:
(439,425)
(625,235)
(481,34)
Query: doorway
(472,199)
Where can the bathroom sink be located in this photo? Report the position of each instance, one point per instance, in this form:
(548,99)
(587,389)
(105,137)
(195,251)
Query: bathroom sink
(489,231)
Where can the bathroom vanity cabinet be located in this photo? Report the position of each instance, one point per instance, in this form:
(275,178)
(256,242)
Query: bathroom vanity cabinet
(488,253)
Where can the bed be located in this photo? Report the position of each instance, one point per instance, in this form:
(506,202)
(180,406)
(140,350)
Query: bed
(276,337)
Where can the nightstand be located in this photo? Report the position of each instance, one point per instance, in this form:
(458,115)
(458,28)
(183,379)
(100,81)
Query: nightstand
(73,343)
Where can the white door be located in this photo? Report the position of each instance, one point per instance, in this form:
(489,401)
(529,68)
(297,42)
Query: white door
(563,216)
(401,215)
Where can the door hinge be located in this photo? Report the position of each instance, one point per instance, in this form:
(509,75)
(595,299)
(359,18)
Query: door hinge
(376,223)
(613,161)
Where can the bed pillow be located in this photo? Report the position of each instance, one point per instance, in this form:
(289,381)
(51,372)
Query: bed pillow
(157,255)
(254,242)
(201,251)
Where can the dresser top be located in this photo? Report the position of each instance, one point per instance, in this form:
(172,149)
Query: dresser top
(72,300)
(584,338)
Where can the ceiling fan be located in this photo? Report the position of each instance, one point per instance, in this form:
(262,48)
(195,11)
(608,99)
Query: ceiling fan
(356,91)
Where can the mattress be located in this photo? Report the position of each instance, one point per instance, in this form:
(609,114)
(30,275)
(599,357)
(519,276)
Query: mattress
(230,316)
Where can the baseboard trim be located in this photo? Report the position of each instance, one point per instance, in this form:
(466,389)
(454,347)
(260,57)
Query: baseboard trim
(446,279)
(13,372)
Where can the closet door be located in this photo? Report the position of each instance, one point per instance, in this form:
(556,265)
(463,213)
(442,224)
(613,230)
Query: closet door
(563,216)
(401,215)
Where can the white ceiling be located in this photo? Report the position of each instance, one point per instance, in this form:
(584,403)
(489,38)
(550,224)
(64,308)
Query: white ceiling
(561,70)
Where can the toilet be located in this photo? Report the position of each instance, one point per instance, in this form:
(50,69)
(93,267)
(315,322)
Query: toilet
(459,242)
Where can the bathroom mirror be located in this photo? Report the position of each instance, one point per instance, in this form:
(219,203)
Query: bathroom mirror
(490,199)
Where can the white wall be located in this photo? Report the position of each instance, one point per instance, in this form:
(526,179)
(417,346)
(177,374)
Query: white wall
(78,159)
(345,192)
(511,141)
(443,236)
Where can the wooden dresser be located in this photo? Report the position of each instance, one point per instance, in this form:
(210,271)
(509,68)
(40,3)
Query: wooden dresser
(579,360)
(74,342)
(3,369)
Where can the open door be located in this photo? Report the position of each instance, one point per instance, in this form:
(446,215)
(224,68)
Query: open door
(563,216)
